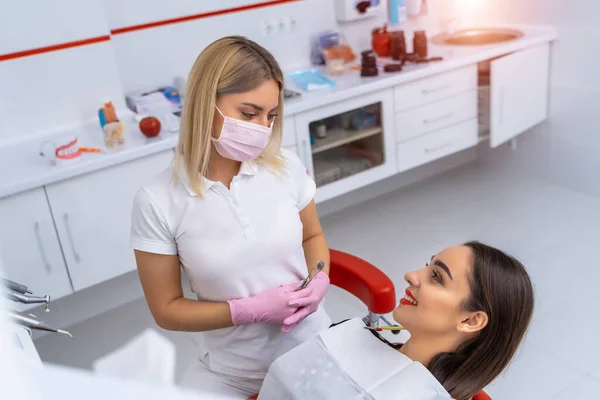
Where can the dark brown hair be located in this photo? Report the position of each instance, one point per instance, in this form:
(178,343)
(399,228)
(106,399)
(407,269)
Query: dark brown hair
(501,287)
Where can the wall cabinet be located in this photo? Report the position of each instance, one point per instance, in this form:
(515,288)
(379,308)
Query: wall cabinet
(29,246)
(93,218)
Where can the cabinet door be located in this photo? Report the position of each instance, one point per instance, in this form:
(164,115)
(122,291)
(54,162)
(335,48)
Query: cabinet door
(29,246)
(519,93)
(93,218)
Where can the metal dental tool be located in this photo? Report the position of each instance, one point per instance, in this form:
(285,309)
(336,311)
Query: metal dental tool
(309,278)
(21,294)
(14,286)
(32,323)
(25,299)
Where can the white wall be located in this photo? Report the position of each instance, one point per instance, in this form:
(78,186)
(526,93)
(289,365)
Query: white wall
(564,150)
(42,93)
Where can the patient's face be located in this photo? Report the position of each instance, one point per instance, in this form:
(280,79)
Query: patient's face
(436,294)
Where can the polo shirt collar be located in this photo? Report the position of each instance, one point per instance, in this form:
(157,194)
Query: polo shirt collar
(247,168)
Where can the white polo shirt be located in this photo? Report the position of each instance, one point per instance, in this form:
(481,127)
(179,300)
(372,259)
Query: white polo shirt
(234,243)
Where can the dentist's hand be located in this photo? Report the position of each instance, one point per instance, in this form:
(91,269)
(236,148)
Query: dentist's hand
(307,304)
(272,306)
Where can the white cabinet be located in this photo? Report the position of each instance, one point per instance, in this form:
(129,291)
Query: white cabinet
(289,132)
(519,92)
(432,146)
(434,88)
(29,246)
(93,218)
(358,148)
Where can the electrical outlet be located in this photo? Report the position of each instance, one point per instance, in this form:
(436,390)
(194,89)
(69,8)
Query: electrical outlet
(267,28)
(290,24)
(280,26)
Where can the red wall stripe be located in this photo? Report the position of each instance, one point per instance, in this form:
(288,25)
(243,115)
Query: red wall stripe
(149,25)
(118,31)
(55,47)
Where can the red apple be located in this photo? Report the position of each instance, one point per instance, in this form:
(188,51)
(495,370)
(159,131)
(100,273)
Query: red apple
(150,126)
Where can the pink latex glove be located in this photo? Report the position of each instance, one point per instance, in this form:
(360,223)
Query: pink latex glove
(272,306)
(307,304)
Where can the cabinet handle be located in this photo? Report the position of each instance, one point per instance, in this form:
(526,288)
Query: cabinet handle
(36,228)
(437,89)
(436,148)
(70,235)
(438,119)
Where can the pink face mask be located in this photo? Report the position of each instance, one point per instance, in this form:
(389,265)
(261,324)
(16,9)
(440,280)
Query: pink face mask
(241,140)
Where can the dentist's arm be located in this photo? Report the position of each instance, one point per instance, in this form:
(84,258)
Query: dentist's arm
(161,280)
(313,240)
(315,250)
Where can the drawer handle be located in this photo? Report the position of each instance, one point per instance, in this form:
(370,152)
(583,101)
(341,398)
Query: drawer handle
(437,89)
(70,235)
(437,148)
(438,119)
(36,228)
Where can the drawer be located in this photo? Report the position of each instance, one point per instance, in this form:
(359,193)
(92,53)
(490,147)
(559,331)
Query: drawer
(435,116)
(434,88)
(436,145)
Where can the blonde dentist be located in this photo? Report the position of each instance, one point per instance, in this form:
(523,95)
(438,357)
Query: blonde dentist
(237,213)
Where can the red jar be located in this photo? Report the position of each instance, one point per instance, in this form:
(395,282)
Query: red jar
(381,41)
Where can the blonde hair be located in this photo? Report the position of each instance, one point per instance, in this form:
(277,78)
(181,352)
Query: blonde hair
(232,64)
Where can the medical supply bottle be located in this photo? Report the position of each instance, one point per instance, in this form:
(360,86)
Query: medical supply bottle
(397,11)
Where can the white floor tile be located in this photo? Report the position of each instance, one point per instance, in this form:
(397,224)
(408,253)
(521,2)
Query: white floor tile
(567,269)
(534,374)
(595,374)
(586,388)
(568,326)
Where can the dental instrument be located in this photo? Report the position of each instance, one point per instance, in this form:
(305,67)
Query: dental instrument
(385,328)
(309,278)
(32,323)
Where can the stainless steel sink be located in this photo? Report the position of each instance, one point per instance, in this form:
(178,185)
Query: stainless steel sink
(477,37)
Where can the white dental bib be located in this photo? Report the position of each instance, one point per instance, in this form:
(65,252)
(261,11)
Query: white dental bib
(348,362)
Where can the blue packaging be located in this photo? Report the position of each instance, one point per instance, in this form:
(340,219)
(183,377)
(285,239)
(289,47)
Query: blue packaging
(397,10)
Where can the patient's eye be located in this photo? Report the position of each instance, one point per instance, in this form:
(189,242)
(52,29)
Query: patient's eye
(436,276)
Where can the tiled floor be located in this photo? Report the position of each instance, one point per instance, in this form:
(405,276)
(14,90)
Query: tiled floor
(553,230)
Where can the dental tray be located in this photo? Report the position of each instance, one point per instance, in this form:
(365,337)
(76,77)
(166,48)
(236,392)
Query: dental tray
(311,80)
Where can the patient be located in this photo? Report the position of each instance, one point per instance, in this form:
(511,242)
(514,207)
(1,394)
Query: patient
(466,311)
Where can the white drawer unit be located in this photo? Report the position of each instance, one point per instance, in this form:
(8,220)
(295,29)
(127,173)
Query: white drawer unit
(435,116)
(434,88)
(432,146)
(93,218)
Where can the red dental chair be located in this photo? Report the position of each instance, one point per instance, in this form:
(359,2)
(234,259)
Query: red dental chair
(370,285)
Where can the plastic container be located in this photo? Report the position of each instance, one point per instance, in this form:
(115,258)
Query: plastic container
(397,11)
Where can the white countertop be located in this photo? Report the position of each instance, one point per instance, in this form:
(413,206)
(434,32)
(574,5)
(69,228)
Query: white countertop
(22,168)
